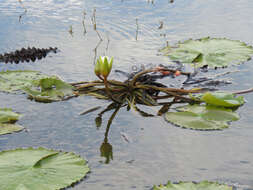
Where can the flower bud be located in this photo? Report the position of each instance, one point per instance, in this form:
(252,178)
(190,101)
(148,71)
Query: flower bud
(103,66)
(98,121)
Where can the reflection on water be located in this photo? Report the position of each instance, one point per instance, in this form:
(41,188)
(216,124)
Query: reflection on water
(159,150)
(106,151)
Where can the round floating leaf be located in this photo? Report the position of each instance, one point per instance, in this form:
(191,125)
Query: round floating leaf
(49,90)
(12,81)
(40,169)
(201,117)
(204,185)
(211,52)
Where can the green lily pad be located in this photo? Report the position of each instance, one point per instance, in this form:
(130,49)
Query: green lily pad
(49,90)
(7,120)
(40,169)
(211,52)
(222,99)
(9,128)
(202,117)
(204,185)
(8,116)
(13,81)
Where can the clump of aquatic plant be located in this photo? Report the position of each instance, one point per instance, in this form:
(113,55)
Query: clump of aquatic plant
(209,110)
(140,88)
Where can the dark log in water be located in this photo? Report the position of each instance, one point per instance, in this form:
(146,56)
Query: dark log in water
(26,55)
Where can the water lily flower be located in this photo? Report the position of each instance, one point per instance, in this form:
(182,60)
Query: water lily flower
(103,66)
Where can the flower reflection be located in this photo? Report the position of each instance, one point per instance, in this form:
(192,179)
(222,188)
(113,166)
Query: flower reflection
(106,151)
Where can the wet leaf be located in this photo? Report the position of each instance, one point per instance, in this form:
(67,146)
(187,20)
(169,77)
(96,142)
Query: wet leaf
(8,116)
(6,128)
(204,185)
(211,52)
(202,117)
(13,81)
(40,169)
(7,120)
(49,90)
(222,99)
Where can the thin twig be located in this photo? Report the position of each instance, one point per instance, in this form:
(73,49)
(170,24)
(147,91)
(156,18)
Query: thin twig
(244,91)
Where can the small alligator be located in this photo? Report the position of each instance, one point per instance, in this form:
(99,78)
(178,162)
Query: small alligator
(26,54)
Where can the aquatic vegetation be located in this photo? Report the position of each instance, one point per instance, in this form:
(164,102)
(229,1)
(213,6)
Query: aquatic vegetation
(40,169)
(7,121)
(14,81)
(49,90)
(193,186)
(103,67)
(202,117)
(223,99)
(38,86)
(211,52)
(201,110)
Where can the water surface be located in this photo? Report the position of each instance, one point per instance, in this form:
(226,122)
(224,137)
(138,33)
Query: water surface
(157,151)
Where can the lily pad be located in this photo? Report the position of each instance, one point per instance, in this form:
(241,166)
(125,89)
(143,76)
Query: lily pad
(222,99)
(202,117)
(7,120)
(8,116)
(211,52)
(9,128)
(206,185)
(49,90)
(40,169)
(13,81)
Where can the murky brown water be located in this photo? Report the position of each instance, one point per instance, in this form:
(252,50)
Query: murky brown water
(157,151)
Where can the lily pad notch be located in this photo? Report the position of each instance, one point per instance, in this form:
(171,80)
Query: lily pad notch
(40,169)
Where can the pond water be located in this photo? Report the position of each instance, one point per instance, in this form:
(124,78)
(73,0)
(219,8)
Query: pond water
(157,151)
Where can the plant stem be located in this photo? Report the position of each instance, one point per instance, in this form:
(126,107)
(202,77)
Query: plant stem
(108,91)
(244,91)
